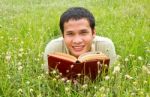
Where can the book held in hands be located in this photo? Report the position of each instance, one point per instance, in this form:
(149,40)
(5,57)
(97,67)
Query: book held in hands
(89,64)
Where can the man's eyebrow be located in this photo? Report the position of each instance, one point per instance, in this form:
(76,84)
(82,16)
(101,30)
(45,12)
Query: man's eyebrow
(69,31)
(84,30)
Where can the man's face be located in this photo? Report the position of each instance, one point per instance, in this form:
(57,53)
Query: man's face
(78,36)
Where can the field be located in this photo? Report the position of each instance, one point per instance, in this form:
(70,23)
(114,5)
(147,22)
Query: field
(26,26)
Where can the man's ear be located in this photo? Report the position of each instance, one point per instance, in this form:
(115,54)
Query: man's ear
(62,34)
(94,33)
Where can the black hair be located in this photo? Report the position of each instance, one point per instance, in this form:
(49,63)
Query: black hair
(76,13)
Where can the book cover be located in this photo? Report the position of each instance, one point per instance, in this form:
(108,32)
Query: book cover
(90,64)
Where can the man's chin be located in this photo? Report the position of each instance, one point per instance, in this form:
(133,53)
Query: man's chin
(77,54)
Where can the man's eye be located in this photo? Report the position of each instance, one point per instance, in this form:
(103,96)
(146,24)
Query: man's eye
(69,34)
(84,32)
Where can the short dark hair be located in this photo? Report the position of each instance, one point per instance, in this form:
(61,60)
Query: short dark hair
(76,13)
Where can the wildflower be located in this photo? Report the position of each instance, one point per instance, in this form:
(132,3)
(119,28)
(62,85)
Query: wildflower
(39,77)
(31,90)
(21,50)
(19,91)
(67,71)
(68,81)
(71,66)
(95,87)
(107,77)
(67,89)
(63,79)
(54,72)
(27,82)
(140,58)
(135,83)
(133,94)
(116,69)
(102,89)
(8,56)
(19,63)
(2,37)
(131,55)
(39,95)
(57,76)
(79,74)
(126,59)
(22,42)
(145,82)
(20,54)
(20,68)
(128,77)
(54,79)
(47,72)
(8,76)
(84,86)
(141,92)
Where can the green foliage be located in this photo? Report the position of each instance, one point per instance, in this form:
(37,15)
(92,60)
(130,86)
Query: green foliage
(26,26)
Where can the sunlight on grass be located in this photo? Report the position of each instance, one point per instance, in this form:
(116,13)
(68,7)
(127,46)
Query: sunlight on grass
(26,26)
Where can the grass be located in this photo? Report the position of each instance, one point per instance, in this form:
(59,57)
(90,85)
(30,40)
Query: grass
(26,26)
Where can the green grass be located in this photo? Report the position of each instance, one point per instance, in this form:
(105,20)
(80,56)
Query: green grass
(26,26)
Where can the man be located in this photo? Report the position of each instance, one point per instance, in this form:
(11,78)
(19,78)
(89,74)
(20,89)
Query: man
(77,25)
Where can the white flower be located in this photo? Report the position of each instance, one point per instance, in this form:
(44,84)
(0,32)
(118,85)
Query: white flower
(84,86)
(68,81)
(102,89)
(67,89)
(107,77)
(39,95)
(116,69)
(19,63)
(54,72)
(126,59)
(22,42)
(8,57)
(135,83)
(79,74)
(54,79)
(19,91)
(20,54)
(63,79)
(2,37)
(20,68)
(31,90)
(28,82)
(8,76)
(21,50)
(140,58)
(128,77)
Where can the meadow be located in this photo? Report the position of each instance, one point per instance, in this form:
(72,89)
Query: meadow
(26,26)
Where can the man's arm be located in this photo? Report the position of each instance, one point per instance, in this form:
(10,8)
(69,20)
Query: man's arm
(53,46)
(106,46)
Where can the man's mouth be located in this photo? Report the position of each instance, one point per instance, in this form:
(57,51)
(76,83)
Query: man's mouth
(78,48)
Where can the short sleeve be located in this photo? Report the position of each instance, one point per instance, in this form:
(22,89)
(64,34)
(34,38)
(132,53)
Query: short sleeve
(106,46)
(55,45)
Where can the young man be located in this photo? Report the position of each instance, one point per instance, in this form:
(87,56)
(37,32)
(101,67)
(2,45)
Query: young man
(77,25)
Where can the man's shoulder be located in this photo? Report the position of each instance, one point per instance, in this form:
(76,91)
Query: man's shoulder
(59,39)
(56,41)
(100,39)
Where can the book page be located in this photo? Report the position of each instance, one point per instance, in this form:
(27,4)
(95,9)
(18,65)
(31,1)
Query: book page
(64,56)
(91,56)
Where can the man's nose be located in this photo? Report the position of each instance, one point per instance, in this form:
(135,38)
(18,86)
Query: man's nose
(77,39)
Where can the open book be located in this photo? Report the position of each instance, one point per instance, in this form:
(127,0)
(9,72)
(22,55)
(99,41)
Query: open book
(88,64)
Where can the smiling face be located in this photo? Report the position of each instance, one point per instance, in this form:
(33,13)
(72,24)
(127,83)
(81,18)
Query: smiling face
(78,36)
